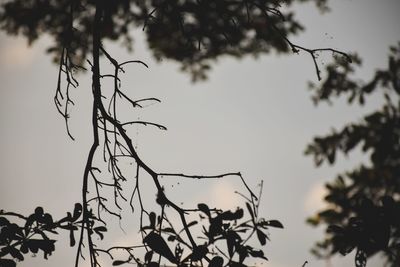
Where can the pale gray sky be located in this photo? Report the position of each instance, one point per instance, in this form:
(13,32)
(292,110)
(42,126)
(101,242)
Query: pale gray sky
(253,116)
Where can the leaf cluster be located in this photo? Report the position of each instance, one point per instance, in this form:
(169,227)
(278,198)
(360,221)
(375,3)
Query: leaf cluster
(226,238)
(34,234)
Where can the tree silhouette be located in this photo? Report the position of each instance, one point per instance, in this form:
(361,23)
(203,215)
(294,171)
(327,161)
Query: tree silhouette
(364,203)
(191,32)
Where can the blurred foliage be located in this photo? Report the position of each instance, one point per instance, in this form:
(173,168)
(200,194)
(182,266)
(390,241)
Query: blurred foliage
(192,32)
(363,204)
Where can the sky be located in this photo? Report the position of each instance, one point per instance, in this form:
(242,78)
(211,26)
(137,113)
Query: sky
(255,116)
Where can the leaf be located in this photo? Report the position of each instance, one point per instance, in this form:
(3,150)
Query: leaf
(261,237)
(71,238)
(243,253)
(39,212)
(230,242)
(4,221)
(168,230)
(47,219)
(217,261)
(204,208)
(47,246)
(98,230)
(152,218)
(274,223)
(192,223)
(153,264)
(335,229)
(7,263)
(249,208)
(232,216)
(24,248)
(28,223)
(257,254)
(158,244)
(16,254)
(118,262)
(148,256)
(199,253)
(236,264)
(77,212)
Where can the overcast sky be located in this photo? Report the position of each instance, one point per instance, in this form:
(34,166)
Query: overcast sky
(253,116)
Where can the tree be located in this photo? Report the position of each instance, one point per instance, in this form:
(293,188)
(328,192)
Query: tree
(191,32)
(364,206)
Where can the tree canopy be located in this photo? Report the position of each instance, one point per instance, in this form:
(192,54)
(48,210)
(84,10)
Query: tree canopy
(363,204)
(192,32)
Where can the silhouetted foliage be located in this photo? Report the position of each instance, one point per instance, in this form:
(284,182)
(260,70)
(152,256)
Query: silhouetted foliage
(364,204)
(32,235)
(193,32)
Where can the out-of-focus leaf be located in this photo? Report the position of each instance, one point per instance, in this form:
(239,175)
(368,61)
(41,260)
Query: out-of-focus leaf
(16,254)
(7,263)
(236,264)
(153,264)
(361,258)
